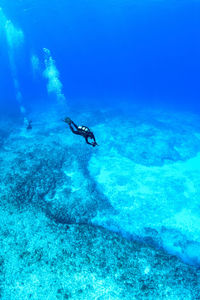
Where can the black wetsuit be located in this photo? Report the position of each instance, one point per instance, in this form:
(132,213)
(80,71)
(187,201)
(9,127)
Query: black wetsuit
(87,134)
(29,126)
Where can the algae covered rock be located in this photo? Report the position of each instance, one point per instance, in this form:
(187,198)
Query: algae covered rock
(50,174)
(43,260)
(154,193)
(53,186)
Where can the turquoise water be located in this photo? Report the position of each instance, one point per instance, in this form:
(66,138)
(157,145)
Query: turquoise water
(120,220)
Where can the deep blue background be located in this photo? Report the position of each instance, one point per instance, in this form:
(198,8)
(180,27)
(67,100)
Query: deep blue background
(108,50)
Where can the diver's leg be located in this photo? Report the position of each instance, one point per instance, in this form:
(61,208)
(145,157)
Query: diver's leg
(73,130)
(74,125)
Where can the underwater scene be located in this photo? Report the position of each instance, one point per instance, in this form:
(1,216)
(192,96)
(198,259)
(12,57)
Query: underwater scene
(99,149)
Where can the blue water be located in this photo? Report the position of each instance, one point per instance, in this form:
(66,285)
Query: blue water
(147,51)
(130,70)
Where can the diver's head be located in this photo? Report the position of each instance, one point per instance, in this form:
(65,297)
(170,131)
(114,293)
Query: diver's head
(94,144)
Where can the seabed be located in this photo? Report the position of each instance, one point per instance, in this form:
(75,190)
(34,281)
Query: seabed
(118,221)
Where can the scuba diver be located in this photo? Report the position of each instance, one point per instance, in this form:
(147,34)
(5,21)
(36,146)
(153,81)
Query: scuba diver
(28,124)
(82,130)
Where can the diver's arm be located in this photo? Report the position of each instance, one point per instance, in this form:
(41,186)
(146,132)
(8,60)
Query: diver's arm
(93,138)
(86,139)
(92,144)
